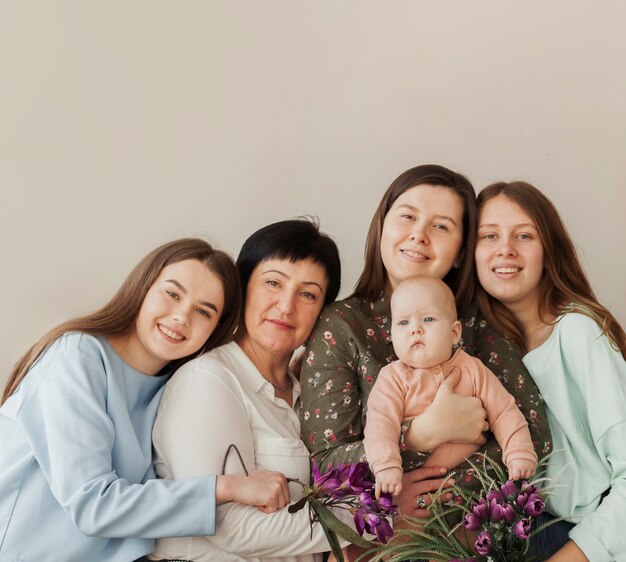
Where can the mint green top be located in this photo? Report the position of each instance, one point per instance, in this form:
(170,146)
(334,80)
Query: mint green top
(583,382)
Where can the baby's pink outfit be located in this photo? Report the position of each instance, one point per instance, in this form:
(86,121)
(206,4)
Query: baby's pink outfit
(401,393)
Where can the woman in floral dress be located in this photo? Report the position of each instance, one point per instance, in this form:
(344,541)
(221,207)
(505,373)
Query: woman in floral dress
(424,224)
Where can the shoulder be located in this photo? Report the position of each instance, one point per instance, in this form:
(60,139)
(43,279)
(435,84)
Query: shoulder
(217,364)
(576,323)
(577,333)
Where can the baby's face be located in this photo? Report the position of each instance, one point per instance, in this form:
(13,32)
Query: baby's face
(424,326)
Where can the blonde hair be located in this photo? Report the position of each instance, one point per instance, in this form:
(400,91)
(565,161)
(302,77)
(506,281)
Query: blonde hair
(118,316)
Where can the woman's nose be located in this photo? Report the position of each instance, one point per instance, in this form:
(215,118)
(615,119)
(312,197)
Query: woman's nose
(506,248)
(181,315)
(285,302)
(418,233)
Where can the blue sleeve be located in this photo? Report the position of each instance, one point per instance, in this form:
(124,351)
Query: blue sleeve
(71,435)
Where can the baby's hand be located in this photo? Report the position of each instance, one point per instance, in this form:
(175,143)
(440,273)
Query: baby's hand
(389,480)
(521,468)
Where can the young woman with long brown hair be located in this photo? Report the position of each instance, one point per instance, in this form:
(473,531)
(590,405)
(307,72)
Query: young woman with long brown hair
(76,476)
(535,291)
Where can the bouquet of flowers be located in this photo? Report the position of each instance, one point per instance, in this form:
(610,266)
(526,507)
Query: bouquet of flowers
(347,487)
(499,519)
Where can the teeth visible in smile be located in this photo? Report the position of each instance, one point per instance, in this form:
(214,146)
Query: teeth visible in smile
(415,255)
(507,269)
(170,334)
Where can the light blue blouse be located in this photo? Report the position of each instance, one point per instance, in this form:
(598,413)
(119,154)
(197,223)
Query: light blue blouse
(583,382)
(76,476)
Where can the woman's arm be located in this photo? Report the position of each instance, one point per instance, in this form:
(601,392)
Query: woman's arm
(332,403)
(72,438)
(200,416)
(597,387)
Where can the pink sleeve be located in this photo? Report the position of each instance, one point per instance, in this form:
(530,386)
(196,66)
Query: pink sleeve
(505,419)
(385,407)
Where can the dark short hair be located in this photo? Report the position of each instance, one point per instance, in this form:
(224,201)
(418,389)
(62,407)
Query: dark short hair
(293,240)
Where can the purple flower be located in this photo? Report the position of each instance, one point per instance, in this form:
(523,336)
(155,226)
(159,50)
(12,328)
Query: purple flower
(373,524)
(483,543)
(495,495)
(534,506)
(528,488)
(383,530)
(386,503)
(508,489)
(481,510)
(352,479)
(508,513)
(521,500)
(495,511)
(522,528)
(325,484)
(471,522)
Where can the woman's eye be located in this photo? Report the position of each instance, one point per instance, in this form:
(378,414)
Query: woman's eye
(203,312)
(524,236)
(272,283)
(308,295)
(440,227)
(407,217)
(489,236)
(172,294)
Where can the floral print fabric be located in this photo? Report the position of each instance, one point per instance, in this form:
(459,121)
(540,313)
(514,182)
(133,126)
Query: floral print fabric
(351,342)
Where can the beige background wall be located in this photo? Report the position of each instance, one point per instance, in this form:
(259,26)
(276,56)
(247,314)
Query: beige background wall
(126,124)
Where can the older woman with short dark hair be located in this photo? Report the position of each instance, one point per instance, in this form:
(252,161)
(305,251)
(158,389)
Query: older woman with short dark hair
(243,394)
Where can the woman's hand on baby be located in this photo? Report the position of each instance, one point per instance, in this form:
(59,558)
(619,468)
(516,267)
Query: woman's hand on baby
(267,490)
(388,481)
(450,418)
(418,484)
(521,468)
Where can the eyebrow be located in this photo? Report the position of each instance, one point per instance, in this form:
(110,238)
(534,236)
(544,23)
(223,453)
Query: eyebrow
(439,217)
(283,274)
(184,291)
(520,225)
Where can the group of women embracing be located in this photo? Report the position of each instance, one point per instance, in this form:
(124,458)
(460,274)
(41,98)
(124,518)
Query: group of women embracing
(116,428)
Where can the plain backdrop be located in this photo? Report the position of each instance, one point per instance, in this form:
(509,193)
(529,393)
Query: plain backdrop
(126,124)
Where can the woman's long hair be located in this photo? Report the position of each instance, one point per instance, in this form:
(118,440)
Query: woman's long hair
(373,279)
(118,316)
(563,285)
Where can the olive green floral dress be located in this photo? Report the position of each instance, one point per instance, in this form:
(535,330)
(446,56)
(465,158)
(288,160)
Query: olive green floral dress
(351,342)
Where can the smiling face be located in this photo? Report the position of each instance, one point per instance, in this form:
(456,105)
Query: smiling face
(424,325)
(179,313)
(422,233)
(509,254)
(283,301)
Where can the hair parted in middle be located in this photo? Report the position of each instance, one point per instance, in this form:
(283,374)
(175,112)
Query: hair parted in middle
(293,240)
(564,285)
(373,279)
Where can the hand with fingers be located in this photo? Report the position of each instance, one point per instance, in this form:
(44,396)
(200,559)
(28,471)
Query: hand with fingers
(417,485)
(266,489)
(450,418)
(388,480)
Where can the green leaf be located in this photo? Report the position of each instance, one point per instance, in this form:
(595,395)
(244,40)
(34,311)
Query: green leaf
(298,505)
(329,520)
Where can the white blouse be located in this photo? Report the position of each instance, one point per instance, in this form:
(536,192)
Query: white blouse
(215,400)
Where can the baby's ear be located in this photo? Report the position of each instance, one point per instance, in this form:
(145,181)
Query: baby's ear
(456,332)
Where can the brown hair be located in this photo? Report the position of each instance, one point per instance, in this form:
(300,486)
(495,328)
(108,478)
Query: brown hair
(563,285)
(373,278)
(118,316)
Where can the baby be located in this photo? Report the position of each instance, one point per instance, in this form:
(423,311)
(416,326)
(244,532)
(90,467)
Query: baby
(424,330)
